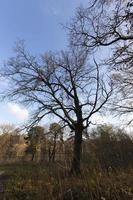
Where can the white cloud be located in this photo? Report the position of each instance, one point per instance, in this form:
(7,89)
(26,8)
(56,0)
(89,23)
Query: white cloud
(18,112)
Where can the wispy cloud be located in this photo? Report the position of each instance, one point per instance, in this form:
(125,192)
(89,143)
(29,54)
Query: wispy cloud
(18,112)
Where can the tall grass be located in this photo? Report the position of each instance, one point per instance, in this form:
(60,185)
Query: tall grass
(30,181)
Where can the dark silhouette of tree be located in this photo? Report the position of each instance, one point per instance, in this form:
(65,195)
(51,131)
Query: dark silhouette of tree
(65,85)
(102,25)
(109,26)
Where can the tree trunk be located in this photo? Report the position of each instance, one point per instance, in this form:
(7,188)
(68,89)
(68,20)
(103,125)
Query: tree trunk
(53,154)
(49,153)
(53,149)
(75,168)
(32,157)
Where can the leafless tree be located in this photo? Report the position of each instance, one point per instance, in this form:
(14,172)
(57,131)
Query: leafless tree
(9,129)
(64,85)
(111,26)
(102,26)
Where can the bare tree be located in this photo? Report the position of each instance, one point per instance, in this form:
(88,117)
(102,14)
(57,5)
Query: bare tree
(102,25)
(65,85)
(109,26)
(7,129)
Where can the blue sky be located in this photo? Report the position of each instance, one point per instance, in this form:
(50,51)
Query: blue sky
(39,23)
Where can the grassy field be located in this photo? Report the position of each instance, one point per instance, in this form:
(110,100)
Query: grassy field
(30,181)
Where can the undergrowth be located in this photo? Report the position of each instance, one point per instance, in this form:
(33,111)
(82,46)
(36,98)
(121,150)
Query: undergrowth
(30,181)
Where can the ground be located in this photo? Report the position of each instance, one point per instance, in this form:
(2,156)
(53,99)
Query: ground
(51,181)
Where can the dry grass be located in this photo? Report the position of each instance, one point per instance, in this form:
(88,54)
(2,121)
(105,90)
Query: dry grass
(30,181)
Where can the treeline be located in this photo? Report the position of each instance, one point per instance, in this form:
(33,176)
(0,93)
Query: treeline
(104,147)
(109,148)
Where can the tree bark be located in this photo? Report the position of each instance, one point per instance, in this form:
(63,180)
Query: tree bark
(75,168)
